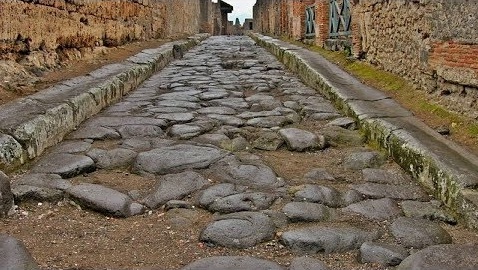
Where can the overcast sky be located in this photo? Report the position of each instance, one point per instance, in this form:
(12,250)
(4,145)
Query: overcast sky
(242,9)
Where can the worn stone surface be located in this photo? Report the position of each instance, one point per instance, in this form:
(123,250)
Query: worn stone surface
(401,192)
(24,193)
(53,181)
(6,195)
(375,209)
(255,174)
(111,159)
(314,239)
(102,199)
(14,255)
(65,165)
(319,194)
(382,177)
(171,159)
(302,140)
(175,187)
(419,233)
(239,230)
(304,211)
(232,263)
(443,257)
(384,254)
(429,210)
(249,201)
(362,160)
(268,140)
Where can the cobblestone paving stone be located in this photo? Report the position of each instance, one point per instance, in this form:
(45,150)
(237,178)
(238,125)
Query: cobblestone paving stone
(202,128)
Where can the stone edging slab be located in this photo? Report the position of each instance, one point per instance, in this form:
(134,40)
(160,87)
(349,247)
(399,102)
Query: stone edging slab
(31,124)
(446,169)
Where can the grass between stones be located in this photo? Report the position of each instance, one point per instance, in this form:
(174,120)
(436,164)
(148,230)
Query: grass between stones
(463,130)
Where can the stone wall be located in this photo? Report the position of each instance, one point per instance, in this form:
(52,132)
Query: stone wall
(431,43)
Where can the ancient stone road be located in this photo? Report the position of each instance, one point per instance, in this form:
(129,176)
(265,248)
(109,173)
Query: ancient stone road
(226,129)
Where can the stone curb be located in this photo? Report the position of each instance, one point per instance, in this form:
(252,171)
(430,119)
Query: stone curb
(446,169)
(32,124)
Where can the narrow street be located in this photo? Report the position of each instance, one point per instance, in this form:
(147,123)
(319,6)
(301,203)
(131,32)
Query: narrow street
(226,153)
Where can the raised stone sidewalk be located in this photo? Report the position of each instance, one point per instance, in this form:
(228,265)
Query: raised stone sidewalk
(446,169)
(30,125)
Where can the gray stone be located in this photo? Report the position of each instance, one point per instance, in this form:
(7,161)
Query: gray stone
(185,131)
(279,219)
(236,103)
(401,192)
(249,201)
(175,187)
(443,257)
(351,196)
(362,160)
(53,181)
(268,140)
(319,174)
(269,122)
(344,122)
(383,177)
(137,144)
(249,115)
(319,194)
(95,132)
(211,194)
(302,140)
(14,255)
(177,117)
(384,254)
(419,233)
(32,193)
(375,209)
(239,230)
(316,239)
(292,105)
(304,211)
(428,210)
(210,95)
(217,110)
(232,263)
(72,147)
(227,119)
(181,218)
(65,165)
(215,139)
(175,204)
(121,121)
(102,199)
(131,131)
(111,159)
(179,104)
(337,136)
(168,110)
(177,158)
(323,116)
(306,263)
(6,195)
(256,175)
(319,108)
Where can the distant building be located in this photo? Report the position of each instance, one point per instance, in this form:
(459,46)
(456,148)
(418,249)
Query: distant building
(248,25)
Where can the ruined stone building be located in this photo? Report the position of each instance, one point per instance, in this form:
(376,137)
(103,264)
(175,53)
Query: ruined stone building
(433,44)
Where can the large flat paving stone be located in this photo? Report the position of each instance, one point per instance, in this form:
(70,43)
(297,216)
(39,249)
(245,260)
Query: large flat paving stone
(305,211)
(443,257)
(364,159)
(428,210)
(315,239)
(175,187)
(177,158)
(375,209)
(14,255)
(302,140)
(319,194)
(249,201)
(400,192)
(65,165)
(111,159)
(239,230)
(256,174)
(232,263)
(214,193)
(103,199)
(419,233)
(384,254)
